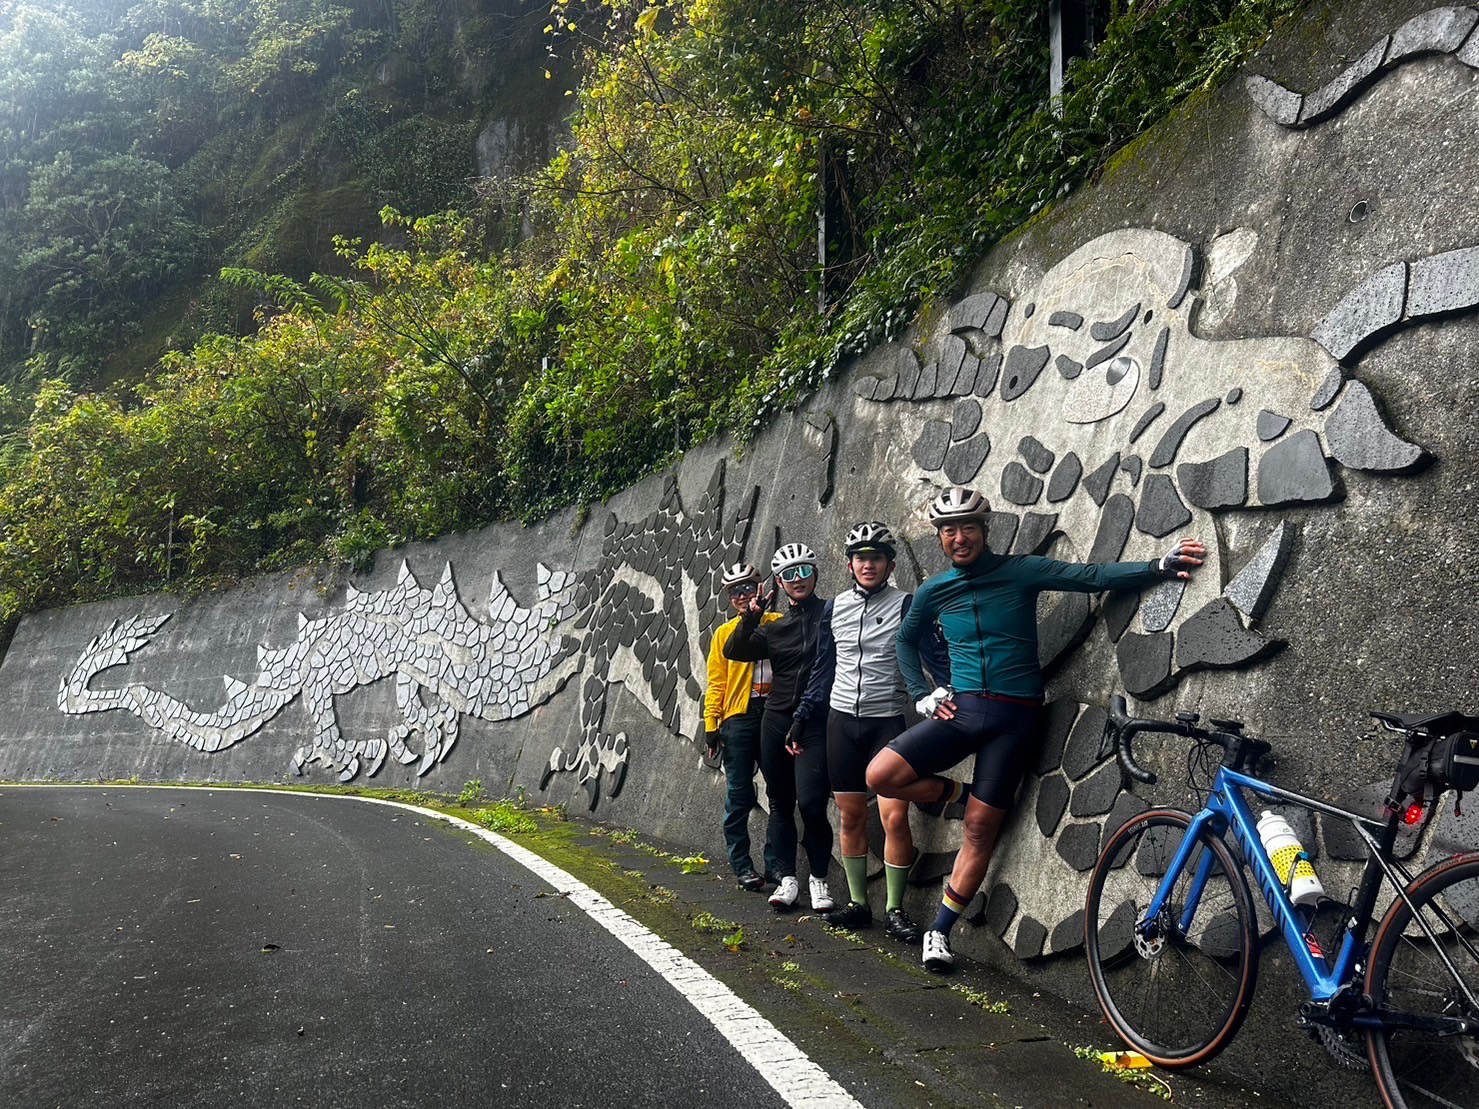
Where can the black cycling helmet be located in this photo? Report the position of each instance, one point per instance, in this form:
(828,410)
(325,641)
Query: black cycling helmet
(958,505)
(871,535)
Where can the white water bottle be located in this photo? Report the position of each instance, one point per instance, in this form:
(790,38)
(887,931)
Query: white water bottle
(1288,855)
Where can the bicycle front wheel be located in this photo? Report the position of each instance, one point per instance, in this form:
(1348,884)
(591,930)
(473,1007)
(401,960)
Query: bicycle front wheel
(1176,986)
(1437,976)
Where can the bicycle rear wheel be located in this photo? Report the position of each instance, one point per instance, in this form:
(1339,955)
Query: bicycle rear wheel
(1175,989)
(1423,1070)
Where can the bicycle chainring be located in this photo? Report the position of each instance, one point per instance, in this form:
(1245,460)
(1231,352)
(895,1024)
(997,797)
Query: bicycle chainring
(1346,1048)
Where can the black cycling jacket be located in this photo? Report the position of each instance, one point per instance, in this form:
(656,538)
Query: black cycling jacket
(790,645)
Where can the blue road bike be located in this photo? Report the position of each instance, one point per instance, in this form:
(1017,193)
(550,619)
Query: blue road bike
(1173,939)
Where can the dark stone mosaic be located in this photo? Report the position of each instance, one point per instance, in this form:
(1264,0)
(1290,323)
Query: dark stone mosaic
(1001,907)
(1106,330)
(1104,354)
(1183,282)
(1079,846)
(1295,470)
(1161,510)
(1095,795)
(929,377)
(1028,311)
(1067,367)
(1271,425)
(1023,365)
(1058,718)
(1329,389)
(1097,483)
(1036,532)
(1069,934)
(1151,415)
(1359,437)
(963,460)
(1165,451)
(884,387)
(1215,637)
(1119,609)
(1367,310)
(965,419)
(1126,806)
(909,371)
(1037,456)
(1031,935)
(1133,466)
(1065,478)
(1219,483)
(934,440)
(1071,320)
(1019,486)
(987,373)
(1066,625)
(1081,752)
(1052,800)
(1001,529)
(1145,663)
(983,311)
(1233,396)
(1115,521)
(965,378)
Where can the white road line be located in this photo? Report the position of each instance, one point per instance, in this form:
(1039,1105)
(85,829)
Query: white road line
(774,1056)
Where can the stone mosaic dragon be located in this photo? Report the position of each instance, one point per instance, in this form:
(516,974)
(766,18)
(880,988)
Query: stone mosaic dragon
(443,659)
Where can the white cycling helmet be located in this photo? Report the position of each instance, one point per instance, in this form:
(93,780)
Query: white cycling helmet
(957,505)
(741,573)
(870,536)
(792,554)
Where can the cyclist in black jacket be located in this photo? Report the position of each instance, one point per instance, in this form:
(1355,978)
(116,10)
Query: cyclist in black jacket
(794,766)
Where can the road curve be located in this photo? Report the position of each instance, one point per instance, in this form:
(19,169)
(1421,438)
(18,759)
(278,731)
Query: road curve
(232,948)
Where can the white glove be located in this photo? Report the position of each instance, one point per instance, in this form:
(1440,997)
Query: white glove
(928,705)
(1184,556)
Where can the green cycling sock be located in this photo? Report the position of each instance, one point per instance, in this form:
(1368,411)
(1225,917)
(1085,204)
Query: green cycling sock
(897,878)
(856,869)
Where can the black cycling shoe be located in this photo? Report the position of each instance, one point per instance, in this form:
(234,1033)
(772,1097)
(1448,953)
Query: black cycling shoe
(851,915)
(749,880)
(900,927)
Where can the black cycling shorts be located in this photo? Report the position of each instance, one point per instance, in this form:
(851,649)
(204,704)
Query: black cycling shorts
(1001,734)
(852,741)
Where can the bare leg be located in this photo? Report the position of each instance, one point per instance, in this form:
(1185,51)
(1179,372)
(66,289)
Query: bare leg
(853,809)
(982,826)
(898,840)
(889,775)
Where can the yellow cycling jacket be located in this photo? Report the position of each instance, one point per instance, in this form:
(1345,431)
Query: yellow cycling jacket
(729,682)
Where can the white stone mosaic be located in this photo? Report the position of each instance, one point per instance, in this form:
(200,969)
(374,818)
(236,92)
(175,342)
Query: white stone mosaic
(444,660)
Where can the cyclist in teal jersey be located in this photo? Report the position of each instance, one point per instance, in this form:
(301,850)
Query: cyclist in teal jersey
(986,606)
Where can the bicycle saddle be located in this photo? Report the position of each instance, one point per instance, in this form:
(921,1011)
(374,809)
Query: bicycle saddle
(1441,722)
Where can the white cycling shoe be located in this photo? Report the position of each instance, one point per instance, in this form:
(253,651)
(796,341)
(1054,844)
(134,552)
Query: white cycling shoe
(937,954)
(821,896)
(786,892)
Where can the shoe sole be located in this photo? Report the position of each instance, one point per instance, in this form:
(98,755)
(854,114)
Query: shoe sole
(938,966)
(911,939)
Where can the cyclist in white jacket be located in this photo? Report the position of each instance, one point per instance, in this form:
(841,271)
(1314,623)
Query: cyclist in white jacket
(855,680)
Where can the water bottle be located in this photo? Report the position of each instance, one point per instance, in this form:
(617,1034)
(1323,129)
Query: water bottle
(1291,862)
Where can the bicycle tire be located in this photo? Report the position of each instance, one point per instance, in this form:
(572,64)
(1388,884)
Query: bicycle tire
(1412,1069)
(1179,1001)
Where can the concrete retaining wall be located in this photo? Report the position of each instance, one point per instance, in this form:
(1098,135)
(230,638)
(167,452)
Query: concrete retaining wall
(1258,328)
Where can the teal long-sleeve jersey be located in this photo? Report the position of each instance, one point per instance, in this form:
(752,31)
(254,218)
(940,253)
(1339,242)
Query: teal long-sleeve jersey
(988,614)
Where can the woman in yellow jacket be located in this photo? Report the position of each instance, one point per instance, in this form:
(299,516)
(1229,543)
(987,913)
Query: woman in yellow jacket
(733,706)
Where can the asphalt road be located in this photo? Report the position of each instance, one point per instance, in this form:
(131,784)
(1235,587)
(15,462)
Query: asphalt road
(219,948)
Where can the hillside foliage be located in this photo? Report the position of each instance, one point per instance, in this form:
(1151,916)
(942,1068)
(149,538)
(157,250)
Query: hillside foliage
(667,287)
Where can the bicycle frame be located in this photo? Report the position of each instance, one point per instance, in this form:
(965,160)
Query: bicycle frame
(1227,811)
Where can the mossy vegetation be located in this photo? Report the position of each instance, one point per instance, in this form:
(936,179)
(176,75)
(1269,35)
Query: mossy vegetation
(556,337)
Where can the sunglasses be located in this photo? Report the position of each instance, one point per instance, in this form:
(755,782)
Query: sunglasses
(738,591)
(796,573)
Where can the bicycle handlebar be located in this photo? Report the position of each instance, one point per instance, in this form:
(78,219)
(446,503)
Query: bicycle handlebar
(1126,728)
